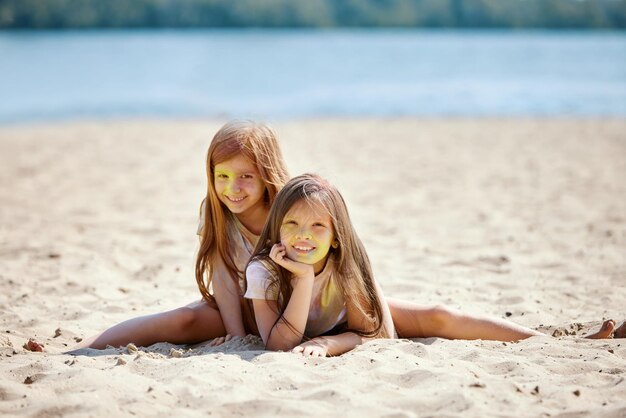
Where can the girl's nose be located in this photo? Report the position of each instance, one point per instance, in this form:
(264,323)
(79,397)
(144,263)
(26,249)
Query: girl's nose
(235,187)
(303,233)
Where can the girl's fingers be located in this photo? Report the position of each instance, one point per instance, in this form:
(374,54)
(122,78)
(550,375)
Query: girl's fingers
(279,257)
(277,253)
(276,248)
(309,351)
(220,340)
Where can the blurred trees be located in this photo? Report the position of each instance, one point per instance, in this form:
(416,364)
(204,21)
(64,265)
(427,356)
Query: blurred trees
(58,14)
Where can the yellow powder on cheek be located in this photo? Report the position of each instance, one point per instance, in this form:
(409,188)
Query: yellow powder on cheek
(329,294)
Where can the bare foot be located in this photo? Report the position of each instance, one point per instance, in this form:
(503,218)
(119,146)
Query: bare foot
(33,345)
(606,331)
(620,332)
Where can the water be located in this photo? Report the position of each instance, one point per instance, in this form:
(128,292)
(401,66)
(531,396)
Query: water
(305,73)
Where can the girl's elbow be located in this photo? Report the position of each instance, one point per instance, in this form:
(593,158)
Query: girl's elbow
(279,346)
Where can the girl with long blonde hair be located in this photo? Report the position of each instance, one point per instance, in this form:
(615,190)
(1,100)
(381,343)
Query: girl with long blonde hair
(310,275)
(313,292)
(245,170)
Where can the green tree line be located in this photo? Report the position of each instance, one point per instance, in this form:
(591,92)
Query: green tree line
(553,14)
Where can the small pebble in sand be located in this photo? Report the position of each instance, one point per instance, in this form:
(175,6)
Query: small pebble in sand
(33,345)
(535,391)
(577,392)
(120,362)
(28,380)
(57,332)
(176,353)
(132,348)
(557,333)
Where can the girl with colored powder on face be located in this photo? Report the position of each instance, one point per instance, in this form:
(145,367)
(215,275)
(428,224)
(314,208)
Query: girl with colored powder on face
(245,170)
(310,279)
(310,276)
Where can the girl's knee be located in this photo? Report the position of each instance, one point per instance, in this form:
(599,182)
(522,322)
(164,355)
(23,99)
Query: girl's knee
(183,318)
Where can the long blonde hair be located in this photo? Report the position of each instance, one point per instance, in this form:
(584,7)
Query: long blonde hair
(259,144)
(352,265)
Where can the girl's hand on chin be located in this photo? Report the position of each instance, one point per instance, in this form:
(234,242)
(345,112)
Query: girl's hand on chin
(278,254)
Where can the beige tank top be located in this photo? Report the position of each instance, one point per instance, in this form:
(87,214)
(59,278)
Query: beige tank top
(327,309)
(242,243)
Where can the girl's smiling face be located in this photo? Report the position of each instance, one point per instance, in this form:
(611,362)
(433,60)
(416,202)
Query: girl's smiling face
(307,234)
(239,185)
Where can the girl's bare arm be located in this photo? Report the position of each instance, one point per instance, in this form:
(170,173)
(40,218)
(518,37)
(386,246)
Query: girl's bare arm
(334,345)
(226,293)
(284,333)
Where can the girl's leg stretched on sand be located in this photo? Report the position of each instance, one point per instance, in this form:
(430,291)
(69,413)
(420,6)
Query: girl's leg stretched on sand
(190,324)
(412,320)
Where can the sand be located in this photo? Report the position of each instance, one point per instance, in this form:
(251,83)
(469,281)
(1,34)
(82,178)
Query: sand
(517,218)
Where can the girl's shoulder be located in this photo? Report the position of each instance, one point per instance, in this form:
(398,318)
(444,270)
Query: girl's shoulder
(260,283)
(259,268)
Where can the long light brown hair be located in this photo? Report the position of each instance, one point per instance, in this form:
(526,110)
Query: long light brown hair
(352,265)
(259,144)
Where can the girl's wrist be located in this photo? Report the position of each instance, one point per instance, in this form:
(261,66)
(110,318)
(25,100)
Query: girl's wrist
(295,279)
(321,340)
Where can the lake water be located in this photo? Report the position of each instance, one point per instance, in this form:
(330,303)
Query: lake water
(277,74)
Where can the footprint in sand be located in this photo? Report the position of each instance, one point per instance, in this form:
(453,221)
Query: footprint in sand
(497,261)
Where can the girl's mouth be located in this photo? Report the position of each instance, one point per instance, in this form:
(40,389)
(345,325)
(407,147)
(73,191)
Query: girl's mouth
(235,199)
(303,249)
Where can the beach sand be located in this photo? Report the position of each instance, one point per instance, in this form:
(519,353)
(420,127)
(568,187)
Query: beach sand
(517,218)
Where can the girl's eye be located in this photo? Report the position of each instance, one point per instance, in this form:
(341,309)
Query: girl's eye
(319,224)
(289,222)
(246,176)
(221,176)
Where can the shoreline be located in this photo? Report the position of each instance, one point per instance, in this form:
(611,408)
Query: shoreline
(116,119)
